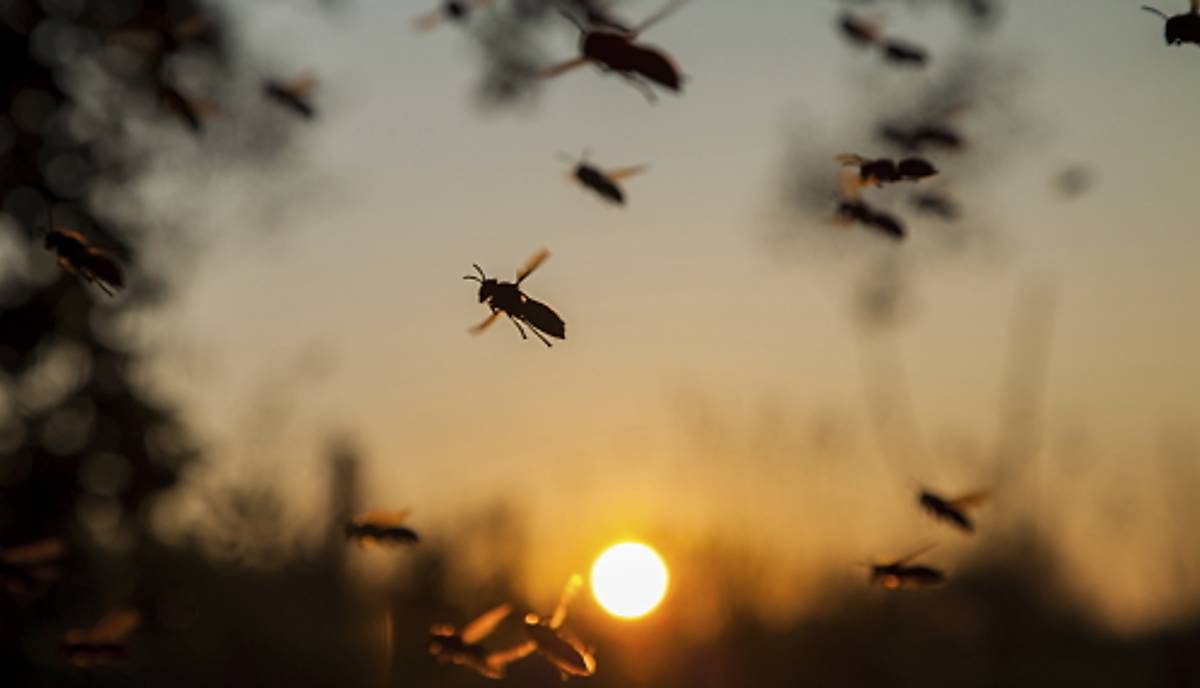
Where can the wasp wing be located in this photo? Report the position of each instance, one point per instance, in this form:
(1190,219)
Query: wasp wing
(483,626)
(850,183)
(626,172)
(485,324)
(301,86)
(382,518)
(913,555)
(498,660)
(971,499)
(568,594)
(655,18)
(532,264)
(563,68)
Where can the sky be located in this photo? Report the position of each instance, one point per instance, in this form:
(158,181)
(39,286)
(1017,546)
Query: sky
(708,376)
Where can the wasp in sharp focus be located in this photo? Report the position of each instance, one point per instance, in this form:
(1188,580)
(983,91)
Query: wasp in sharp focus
(556,644)
(1181,28)
(296,95)
(75,254)
(507,298)
(449,10)
(25,567)
(900,574)
(952,510)
(603,182)
(103,644)
(464,647)
(618,51)
(381,528)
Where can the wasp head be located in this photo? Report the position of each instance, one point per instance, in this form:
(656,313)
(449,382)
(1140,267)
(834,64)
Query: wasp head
(487,285)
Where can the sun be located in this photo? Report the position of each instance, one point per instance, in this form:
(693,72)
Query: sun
(629,580)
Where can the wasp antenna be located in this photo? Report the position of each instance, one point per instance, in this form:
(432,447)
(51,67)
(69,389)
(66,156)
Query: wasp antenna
(478,269)
(579,25)
(1155,10)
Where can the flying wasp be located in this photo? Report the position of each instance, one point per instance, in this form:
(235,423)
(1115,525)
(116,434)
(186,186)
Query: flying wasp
(952,510)
(614,50)
(381,528)
(104,643)
(852,207)
(296,95)
(1181,28)
(866,33)
(603,182)
(449,10)
(23,568)
(556,644)
(464,647)
(75,254)
(507,298)
(190,110)
(900,574)
(887,171)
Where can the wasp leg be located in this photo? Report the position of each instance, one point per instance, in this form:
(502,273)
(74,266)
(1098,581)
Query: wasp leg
(540,336)
(645,89)
(519,328)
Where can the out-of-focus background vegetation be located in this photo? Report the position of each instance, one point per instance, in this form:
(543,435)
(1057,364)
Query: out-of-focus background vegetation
(754,392)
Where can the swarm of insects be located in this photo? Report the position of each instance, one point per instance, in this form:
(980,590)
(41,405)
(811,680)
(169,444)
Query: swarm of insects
(295,95)
(602,182)
(952,510)
(92,263)
(867,33)
(103,644)
(26,567)
(556,644)
(614,49)
(506,298)
(381,528)
(899,573)
(1181,28)
(464,648)
(449,10)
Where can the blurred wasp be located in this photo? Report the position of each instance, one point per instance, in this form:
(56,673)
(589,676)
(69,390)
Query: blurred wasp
(25,567)
(381,528)
(852,208)
(900,574)
(556,644)
(863,32)
(192,111)
(92,263)
(604,183)
(616,50)
(936,203)
(103,644)
(296,95)
(952,510)
(449,10)
(508,299)
(1181,28)
(464,649)
(887,171)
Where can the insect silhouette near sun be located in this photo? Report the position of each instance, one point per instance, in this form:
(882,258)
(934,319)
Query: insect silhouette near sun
(1181,28)
(899,573)
(449,10)
(557,644)
(615,50)
(381,528)
(295,95)
(95,265)
(506,298)
(603,182)
(952,510)
(464,647)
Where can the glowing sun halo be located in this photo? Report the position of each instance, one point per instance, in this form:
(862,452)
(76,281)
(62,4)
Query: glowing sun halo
(629,580)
